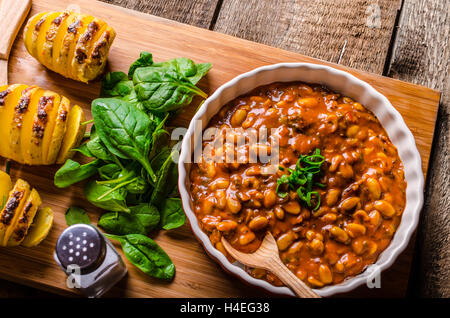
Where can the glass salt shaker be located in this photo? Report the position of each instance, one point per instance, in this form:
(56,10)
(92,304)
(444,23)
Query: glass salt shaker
(90,261)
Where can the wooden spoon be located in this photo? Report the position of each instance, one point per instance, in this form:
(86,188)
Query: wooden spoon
(12,16)
(267,257)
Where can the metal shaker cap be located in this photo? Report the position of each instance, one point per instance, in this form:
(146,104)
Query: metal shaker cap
(81,245)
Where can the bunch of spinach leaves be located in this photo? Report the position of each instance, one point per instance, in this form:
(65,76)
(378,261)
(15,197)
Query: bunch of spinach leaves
(132,174)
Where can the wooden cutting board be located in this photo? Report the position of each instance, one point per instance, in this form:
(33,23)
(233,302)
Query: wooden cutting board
(197,275)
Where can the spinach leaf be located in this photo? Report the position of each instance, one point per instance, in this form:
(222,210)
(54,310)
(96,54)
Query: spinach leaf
(107,197)
(76,215)
(125,130)
(138,186)
(97,148)
(186,67)
(163,89)
(160,158)
(142,219)
(84,150)
(164,183)
(72,172)
(202,70)
(117,84)
(146,255)
(109,171)
(160,137)
(145,59)
(172,214)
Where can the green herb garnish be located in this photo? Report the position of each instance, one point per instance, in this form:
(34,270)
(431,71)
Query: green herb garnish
(302,179)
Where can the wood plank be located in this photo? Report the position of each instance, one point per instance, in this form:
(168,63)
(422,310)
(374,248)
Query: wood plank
(422,55)
(197,275)
(194,12)
(337,31)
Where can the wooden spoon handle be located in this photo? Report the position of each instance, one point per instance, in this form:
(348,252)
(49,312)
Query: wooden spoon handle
(289,279)
(12,15)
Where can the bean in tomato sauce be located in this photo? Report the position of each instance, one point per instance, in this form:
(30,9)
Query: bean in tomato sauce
(361,201)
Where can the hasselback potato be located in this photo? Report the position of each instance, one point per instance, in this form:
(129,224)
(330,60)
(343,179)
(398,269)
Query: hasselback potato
(38,127)
(71,44)
(21,221)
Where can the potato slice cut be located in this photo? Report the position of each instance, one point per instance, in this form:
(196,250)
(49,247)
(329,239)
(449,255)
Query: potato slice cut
(40,228)
(5,187)
(43,125)
(85,46)
(27,127)
(83,25)
(62,43)
(35,33)
(74,133)
(42,36)
(25,219)
(30,31)
(11,211)
(59,130)
(8,103)
(56,27)
(21,111)
(96,62)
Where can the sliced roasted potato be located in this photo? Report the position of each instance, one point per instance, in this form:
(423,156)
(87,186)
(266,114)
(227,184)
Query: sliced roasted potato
(40,228)
(97,58)
(72,44)
(74,133)
(43,124)
(42,36)
(57,26)
(25,219)
(32,30)
(59,130)
(27,127)
(21,111)
(63,42)
(84,24)
(9,102)
(5,187)
(11,211)
(85,45)
(35,125)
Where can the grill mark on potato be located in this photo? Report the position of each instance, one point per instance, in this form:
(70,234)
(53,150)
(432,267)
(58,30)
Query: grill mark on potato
(80,56)
(3,96)
(43,102)
(20,233)
(26,211)
(93,28)
(63,115)
(38,132)
(22,107)
(51,34)
(96,52)
(73,28)
(38,25)
(42,116)
(10,207)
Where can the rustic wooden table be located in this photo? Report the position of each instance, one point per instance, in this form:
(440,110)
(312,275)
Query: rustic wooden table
(403,39)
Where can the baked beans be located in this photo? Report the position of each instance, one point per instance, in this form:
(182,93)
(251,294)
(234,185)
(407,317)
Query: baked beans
(361,200)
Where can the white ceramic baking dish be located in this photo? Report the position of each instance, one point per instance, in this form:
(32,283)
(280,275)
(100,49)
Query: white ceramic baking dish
(348,85)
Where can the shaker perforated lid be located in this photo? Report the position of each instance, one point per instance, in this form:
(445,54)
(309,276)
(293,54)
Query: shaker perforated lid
(81,245)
